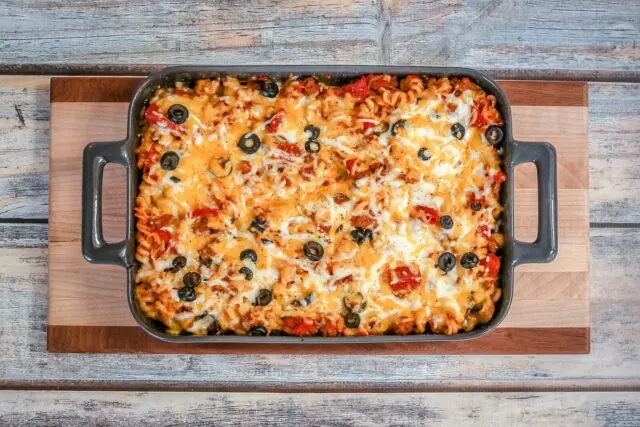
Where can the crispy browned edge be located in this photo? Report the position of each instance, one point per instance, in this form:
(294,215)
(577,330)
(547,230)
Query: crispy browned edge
(113,339)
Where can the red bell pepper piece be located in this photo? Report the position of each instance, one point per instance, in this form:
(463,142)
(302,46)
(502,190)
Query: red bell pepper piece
(484,231)
(200,212)
(153,115)
(350,164)
(290,148)
(491,265)
(300,325)
(427,215)
(479,120)
(358,89)
(164,235)
(275,122)
(405,279)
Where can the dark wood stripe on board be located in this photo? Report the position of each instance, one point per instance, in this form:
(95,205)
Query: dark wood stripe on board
(120,89)
(130,339)
(94,89)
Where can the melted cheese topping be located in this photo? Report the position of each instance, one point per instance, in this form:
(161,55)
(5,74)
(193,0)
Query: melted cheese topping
(388,169)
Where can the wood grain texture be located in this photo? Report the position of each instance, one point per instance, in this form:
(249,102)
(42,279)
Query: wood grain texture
(613,362)
(490,34)
(342,409)
(98,312)
(131,339)
(614,132)
(24,148)
(179,33)
(593,36)
(93,89)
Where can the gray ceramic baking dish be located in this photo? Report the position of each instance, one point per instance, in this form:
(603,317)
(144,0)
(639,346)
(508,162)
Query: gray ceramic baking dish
(98,154)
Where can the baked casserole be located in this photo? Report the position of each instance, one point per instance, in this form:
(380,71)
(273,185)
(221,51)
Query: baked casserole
(304,207)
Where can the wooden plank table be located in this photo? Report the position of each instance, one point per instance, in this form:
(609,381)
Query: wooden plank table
(592,40)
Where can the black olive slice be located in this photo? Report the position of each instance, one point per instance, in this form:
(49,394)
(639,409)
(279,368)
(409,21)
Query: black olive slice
(352,320)
(250,254)
(469,260)
(258,225)
(169,160)
(269,88)
(179,262)
(178,114)
(458,130)
(397,126)
(248,273)
(313,251)
(249,143)
(192,279)
(187,293)
(312,146)
(446,222)
(354,302)
(313,131)
(264,297)
(423,154)
(447,261)
(258,331)
(494,135)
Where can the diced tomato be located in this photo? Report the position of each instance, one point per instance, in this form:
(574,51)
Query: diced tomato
(474,199)
(479,120)
(307,173)
(275,122)
(153,115)
(499,178)
(340,198)
(202,212)
(427,215)
(350,164)
(367,125)
(491,265)
(405,279)
(290,148)
(300,326)
(244,167)
(344,280)
(324,228)
(484,231)
(359,88)
(362,221)
(148,158)
(164,235)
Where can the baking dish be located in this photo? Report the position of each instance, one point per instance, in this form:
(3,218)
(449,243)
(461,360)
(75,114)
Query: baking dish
(96,155)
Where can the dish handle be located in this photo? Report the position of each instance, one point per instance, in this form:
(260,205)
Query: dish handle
(94,248)
(545,247)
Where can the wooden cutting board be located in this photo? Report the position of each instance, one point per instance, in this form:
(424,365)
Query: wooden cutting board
(88,309)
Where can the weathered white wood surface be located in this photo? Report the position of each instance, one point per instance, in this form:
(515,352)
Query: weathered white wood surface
(66,408)
(540,37)
(614,129)
(614,361)
(24,146)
